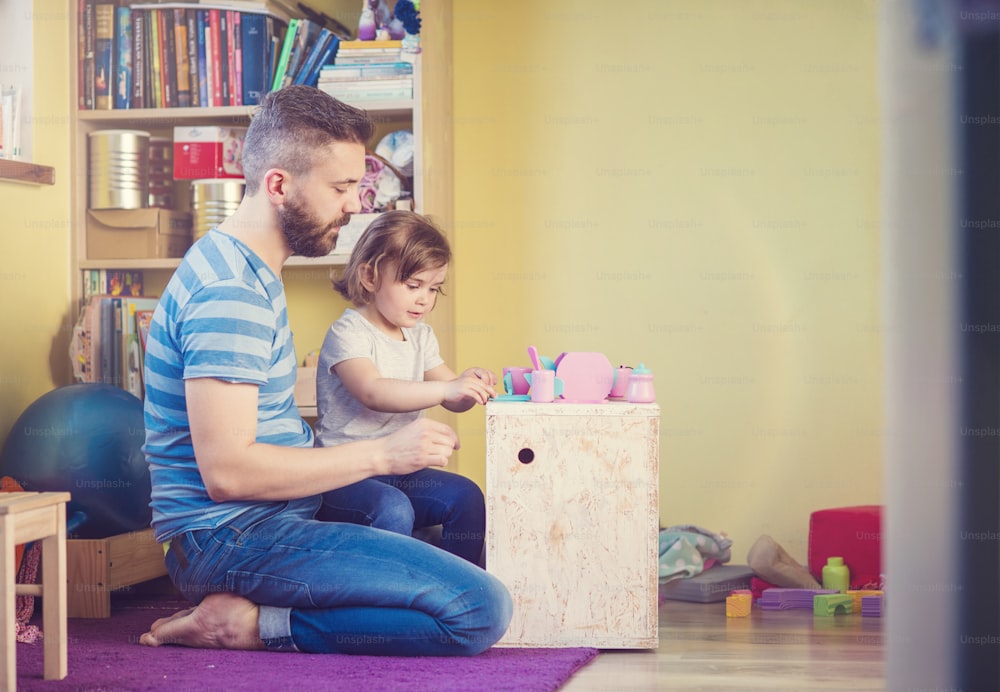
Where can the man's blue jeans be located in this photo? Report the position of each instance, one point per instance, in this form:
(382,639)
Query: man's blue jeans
(414,501)
(342,588)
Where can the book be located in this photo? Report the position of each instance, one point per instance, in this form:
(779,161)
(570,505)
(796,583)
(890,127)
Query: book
(215,61)
(182,68)
(87,85)
(375,70)
(131,359)
(360,52)
(236,34)
(225,58)
(372,90)
(286,49)
(191,21)
(139,79)
(168,58)
(312,77)
(214,58)
(104,64)
(85,342)
(143,318)
(256,58)
(81,53)
(203,72)
(155,98)
(123,57)
(107,340)
(226,50)
(320,49)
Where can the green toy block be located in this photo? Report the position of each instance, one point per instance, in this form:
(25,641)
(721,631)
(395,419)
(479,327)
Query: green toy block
(832,604)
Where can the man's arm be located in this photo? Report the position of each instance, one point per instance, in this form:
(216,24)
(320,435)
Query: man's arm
(236,467)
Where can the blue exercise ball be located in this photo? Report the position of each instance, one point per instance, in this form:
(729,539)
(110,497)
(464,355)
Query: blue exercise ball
(85,439)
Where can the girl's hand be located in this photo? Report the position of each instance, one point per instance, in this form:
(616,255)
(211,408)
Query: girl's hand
(474,386)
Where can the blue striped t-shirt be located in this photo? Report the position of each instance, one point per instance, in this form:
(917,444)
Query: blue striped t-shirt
(223,315)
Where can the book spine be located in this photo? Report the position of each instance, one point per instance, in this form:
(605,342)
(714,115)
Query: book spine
(116,344)
(224,58)
(273,38)
(191,24)
(154,99)
(213,17)
(286,49)
(168,58)
(367,92)
(255,56)
(81,53)
(368,71)
(104,66)
(236,26)
(182,70)
(139,58)
(89,76)
(123,57)
(203,72)
(107,339)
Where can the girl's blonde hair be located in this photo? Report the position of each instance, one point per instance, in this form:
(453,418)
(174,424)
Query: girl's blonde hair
(405,238)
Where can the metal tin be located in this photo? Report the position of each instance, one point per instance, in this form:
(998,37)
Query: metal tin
(118,163)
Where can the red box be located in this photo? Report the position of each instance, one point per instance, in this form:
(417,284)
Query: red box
(853,533)
(208,151)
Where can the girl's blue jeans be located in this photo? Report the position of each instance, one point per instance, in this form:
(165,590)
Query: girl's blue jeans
(342,588)
(414,501)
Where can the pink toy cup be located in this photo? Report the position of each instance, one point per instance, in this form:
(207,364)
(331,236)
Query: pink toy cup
(543,386)
(518,384)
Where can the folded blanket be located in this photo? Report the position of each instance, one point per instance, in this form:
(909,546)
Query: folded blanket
(688,550)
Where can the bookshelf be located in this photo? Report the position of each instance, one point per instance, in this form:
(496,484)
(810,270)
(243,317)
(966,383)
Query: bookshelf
(389,115)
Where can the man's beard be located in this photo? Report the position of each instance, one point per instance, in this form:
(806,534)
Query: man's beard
(305,234)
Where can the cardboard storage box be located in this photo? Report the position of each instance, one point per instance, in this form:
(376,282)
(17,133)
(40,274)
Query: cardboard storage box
(137,233)
(208,151)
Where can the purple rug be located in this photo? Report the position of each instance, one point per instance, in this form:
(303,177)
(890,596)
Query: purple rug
(105,654)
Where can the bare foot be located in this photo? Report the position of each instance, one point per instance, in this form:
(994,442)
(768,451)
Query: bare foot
(220,621)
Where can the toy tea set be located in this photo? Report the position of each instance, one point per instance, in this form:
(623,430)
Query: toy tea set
(576,377)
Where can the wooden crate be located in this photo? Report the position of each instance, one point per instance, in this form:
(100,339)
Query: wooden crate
(96,567)
(572,521)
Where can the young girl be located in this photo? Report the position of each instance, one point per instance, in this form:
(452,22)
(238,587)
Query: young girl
(380,367)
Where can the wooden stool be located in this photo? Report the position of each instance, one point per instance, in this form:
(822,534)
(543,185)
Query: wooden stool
(28,517)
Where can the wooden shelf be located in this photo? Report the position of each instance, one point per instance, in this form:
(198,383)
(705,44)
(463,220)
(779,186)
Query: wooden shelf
(335,260)
(24,172)
(235,115)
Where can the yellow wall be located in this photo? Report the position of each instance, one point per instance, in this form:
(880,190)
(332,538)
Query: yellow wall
(34,239)
(689,184)
(693,185)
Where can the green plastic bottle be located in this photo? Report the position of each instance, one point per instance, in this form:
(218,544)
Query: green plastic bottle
(836,575)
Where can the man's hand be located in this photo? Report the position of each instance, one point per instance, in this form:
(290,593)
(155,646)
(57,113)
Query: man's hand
(422,443)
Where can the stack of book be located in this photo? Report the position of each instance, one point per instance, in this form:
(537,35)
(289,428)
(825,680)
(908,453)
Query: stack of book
(368,70)
(306,48)
(109,339)
(177,54)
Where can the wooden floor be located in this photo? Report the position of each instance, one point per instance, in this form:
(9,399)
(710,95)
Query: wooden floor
(702,649)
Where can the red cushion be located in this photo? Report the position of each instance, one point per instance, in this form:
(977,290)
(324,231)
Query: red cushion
(853,533)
